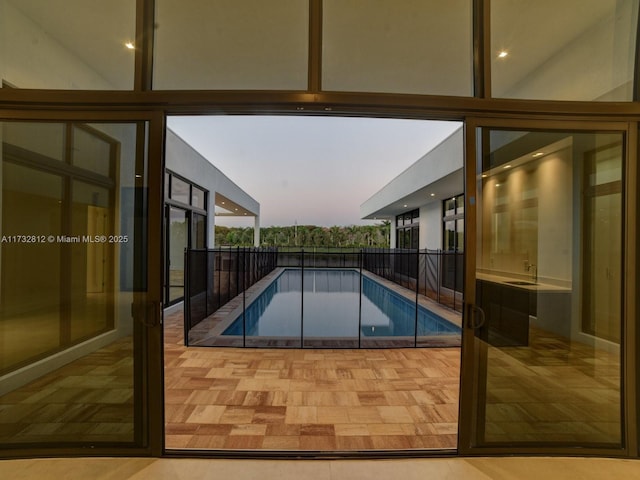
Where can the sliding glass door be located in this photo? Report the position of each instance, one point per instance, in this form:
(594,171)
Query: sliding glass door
(548,317)
(77,309)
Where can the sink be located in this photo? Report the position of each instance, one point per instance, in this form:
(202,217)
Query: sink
(520,282)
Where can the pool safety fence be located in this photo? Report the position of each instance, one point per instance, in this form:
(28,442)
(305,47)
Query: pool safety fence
(222,283)
(216,276)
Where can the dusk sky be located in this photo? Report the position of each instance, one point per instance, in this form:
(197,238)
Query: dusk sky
(309,170)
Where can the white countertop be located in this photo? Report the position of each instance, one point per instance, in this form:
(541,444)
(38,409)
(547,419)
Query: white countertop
(535,287)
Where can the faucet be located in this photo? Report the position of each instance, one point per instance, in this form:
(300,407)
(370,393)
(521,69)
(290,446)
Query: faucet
(530,267)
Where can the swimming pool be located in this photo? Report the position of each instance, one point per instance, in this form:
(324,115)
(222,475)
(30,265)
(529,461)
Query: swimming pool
(330,308)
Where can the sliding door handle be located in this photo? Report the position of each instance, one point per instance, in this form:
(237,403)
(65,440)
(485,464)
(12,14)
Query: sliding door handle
(476,317)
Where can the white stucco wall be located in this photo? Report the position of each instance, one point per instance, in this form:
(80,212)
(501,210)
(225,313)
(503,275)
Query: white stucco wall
(431,226)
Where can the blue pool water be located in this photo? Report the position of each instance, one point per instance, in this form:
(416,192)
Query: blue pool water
(330,306)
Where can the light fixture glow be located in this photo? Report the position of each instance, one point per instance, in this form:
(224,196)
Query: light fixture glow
(405,205)
(484,175)
(503,54)
(433,194)
(538,154)
(130,45)
(497,184)
(507,166)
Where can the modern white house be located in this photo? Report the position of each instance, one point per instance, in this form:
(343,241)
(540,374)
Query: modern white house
(414,201)
(196,192)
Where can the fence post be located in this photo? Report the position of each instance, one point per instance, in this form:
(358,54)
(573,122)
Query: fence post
(415,333)
(244,296)
(187,298)
(360,306)
(302,298)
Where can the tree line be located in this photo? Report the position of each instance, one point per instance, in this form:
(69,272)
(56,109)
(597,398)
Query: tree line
(374,236)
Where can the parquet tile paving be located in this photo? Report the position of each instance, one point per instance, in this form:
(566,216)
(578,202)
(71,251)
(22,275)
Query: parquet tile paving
(290,399)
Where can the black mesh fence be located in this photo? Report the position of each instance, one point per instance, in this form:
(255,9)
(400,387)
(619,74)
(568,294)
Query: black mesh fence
(216,276)
(334,298)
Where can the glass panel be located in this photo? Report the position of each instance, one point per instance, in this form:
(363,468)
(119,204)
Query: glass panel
(414,46)
(92,261)
(197,197)
(459,235)
(30,323)
(603,227)
(177,243)
(71,257)
(544,50)
(415,237)
(68,44)
(450,236)
(450,207)
(46,139)
(179,190)
(91,152)
(549,281)
(199,236)
(226,44)
(460,204)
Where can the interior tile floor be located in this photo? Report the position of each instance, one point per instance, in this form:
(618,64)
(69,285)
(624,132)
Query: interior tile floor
(312,399)
(512,468)
(88,400)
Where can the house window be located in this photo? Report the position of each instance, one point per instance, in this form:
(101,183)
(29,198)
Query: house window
(453,243)
(408,230)
(186,226)
(453,224)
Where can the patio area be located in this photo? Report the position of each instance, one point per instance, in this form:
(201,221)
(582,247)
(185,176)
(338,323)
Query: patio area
(312,400)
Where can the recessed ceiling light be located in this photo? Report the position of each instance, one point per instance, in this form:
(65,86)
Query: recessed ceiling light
(130,45)
(222,203)
(484,175)
(497,184)
(507,166)
(236,209)
(138,175)
(433,194)
(503,54)
(405,205)
(538,154)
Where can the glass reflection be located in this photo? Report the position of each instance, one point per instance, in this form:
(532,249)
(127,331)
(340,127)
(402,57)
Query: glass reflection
(549,281)
(67,267)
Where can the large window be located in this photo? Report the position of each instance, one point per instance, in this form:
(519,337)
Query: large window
(453,243)
(549,263)
(231,45)
(413,46)
(408,230)
(453,224)
(68,44)
(186,226)
(563,50)
(73,246)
